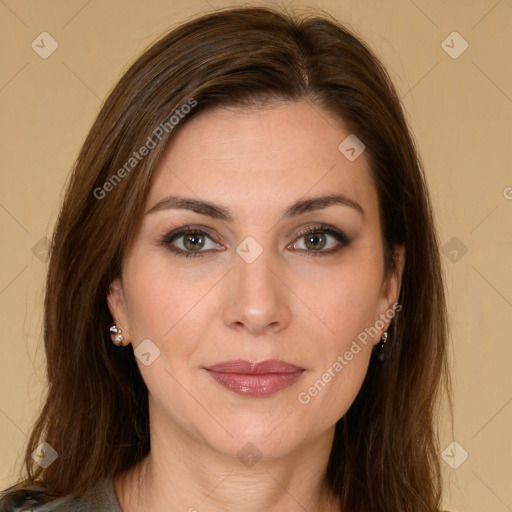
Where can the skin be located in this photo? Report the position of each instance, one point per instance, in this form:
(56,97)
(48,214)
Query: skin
(287,304)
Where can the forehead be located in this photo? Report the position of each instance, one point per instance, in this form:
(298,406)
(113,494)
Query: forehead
(272,156)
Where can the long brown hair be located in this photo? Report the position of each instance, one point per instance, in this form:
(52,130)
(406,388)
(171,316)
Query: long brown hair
(385,455)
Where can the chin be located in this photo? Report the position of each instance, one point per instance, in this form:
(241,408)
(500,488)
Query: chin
(259,437)
(249,449)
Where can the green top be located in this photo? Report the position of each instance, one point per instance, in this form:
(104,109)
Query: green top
(100,498)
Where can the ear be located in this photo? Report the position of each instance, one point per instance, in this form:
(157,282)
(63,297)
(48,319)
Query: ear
(117,305)
(390,289)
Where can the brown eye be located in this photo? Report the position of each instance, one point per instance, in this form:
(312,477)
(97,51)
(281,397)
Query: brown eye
(320,241)
(315,241)
(190,242)
(193,241)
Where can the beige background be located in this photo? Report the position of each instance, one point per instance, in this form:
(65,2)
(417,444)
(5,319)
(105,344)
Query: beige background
(459,108)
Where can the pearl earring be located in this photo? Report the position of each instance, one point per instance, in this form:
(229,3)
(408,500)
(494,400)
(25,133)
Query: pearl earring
(116,336)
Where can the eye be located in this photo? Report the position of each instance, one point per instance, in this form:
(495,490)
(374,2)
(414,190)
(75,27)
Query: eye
(190,242)
(321,240)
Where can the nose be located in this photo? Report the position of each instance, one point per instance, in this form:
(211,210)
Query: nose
(257,297)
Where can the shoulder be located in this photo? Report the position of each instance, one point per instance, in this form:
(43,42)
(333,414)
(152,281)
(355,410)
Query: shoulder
(34,499)
(100,498)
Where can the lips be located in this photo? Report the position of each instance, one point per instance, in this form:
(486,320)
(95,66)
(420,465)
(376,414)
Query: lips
(255,379)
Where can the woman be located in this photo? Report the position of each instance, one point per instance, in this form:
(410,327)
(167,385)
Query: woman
(245,306)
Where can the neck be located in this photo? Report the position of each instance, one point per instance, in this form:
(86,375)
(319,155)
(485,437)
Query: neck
(183,474)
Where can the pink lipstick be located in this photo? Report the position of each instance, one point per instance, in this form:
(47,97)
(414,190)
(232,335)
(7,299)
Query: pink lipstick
(255,379)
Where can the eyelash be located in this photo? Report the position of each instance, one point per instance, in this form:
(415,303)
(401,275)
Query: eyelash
(341,237)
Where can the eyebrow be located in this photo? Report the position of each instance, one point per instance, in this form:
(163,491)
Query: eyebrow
(220,212)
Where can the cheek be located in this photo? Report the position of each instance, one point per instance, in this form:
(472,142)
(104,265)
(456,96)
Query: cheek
(174,312)
(348,308)
(328,393)
(160,302)
(348,305)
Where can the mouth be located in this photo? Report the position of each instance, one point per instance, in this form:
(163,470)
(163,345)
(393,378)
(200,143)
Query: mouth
(255,379)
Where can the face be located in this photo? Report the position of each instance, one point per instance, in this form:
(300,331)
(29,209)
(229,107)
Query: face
(265,272)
